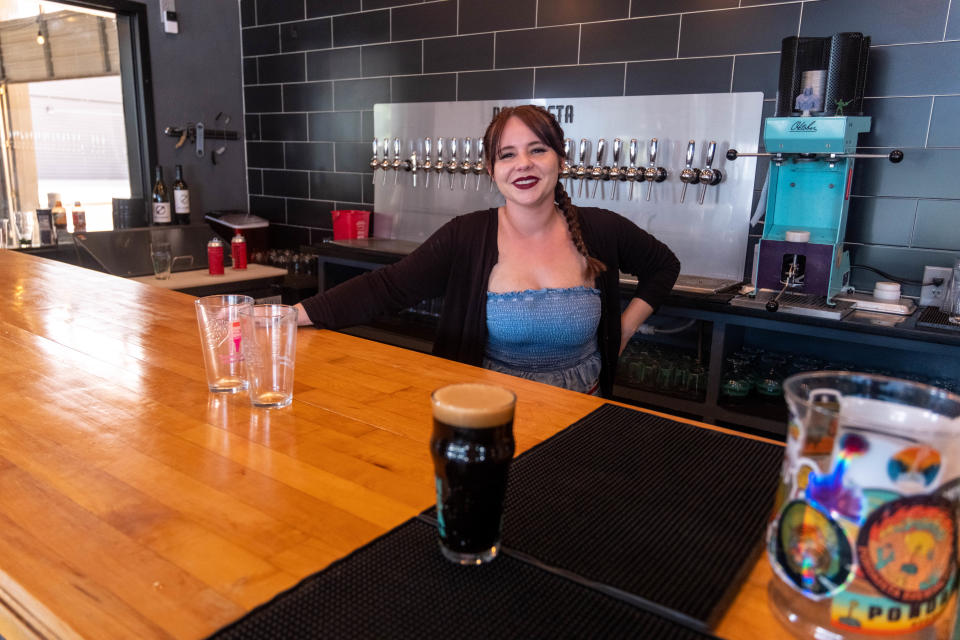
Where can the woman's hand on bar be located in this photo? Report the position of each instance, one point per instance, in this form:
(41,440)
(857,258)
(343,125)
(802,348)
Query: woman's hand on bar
(302,318)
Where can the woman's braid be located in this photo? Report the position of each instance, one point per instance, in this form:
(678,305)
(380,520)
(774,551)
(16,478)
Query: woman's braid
(572,215)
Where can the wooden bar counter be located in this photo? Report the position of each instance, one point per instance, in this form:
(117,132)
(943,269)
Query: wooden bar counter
(136,504)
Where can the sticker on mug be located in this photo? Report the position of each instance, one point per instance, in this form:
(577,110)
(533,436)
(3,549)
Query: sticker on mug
(919,465)
(832,490)
(907,548)
(871,614)
(812,550)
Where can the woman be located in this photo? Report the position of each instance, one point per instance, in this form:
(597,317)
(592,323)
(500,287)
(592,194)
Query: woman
(530,288)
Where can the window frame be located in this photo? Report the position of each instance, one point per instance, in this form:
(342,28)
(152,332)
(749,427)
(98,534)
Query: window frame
(136,88)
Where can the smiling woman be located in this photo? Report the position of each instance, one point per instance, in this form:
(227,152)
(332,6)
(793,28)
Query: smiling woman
(530,288)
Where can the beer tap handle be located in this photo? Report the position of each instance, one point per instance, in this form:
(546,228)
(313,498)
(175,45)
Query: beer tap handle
(413,166)
(478,166)
(615,173)
(427,164)
(709,176)
(689,175)
(711,152)
(653,172)
(650,173)
(632,169)
(385,163)
(452,164)
(598,173)
(396,160)
(467,165)
(374,162)
(440,165)
(582,167)
(565,166)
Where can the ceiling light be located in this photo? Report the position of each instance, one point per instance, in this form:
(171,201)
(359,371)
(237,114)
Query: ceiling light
(40,38)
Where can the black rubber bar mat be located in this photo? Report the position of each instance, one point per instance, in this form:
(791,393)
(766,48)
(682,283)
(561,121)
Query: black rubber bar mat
(400,586)
(665,514)
(934,318)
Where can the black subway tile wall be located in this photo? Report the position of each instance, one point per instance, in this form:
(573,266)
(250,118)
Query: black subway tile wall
(255,181)
(885,21)
(279,11)
(638,39)
(333,64)
(458,53)
(402,58)
(320,8)
(497,15)
(430,20)
(536,47)
(431,88)
(250,71)
(259,41)
(642,8)
(299,36)
(509,84)
(265,154)
(361,28)
(317,156)
(313,69)
(592,80)
(248,13)
(288,67)
(568,11)
(308,96)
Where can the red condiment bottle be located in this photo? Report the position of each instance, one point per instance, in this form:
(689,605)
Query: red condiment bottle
(215,257)
(238,251)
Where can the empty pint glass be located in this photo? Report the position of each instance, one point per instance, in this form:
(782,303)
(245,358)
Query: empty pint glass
(270,347)
(472,446)
(222,338)
(864,537)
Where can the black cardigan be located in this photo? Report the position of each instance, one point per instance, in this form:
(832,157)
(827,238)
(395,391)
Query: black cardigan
(455,263)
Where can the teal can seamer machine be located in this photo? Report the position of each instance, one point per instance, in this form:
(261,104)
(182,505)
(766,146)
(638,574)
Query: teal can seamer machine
(812,147)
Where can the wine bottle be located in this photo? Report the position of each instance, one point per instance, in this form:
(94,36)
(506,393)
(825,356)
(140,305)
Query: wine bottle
(59,215)
(181,198)
(161,201)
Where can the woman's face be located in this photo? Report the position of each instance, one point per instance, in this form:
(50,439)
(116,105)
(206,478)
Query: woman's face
(526,170)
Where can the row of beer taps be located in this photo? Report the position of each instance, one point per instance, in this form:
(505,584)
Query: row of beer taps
(426,163)
(423,161)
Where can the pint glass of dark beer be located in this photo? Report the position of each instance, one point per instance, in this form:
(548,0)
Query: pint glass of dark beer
(472,446)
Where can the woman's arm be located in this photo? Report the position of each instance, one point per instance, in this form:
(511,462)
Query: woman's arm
(633,316)
(418,276)
(651,261)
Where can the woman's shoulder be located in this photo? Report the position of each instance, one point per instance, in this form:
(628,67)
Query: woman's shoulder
(482,216)
(465,226)
(595,216)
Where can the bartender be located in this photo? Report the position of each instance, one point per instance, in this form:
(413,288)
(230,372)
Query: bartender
(530,288)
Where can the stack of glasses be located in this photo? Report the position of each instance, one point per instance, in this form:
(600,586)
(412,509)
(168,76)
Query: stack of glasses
(756,374)
(662,369)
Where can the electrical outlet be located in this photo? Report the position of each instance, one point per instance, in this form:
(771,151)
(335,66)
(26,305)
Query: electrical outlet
(933,295)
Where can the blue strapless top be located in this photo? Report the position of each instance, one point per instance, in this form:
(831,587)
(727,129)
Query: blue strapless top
(547,335)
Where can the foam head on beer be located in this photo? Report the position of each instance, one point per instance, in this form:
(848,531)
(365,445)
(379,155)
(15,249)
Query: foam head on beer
(473,405)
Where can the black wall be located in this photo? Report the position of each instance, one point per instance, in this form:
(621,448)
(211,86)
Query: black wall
(313,70)
(196,75)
